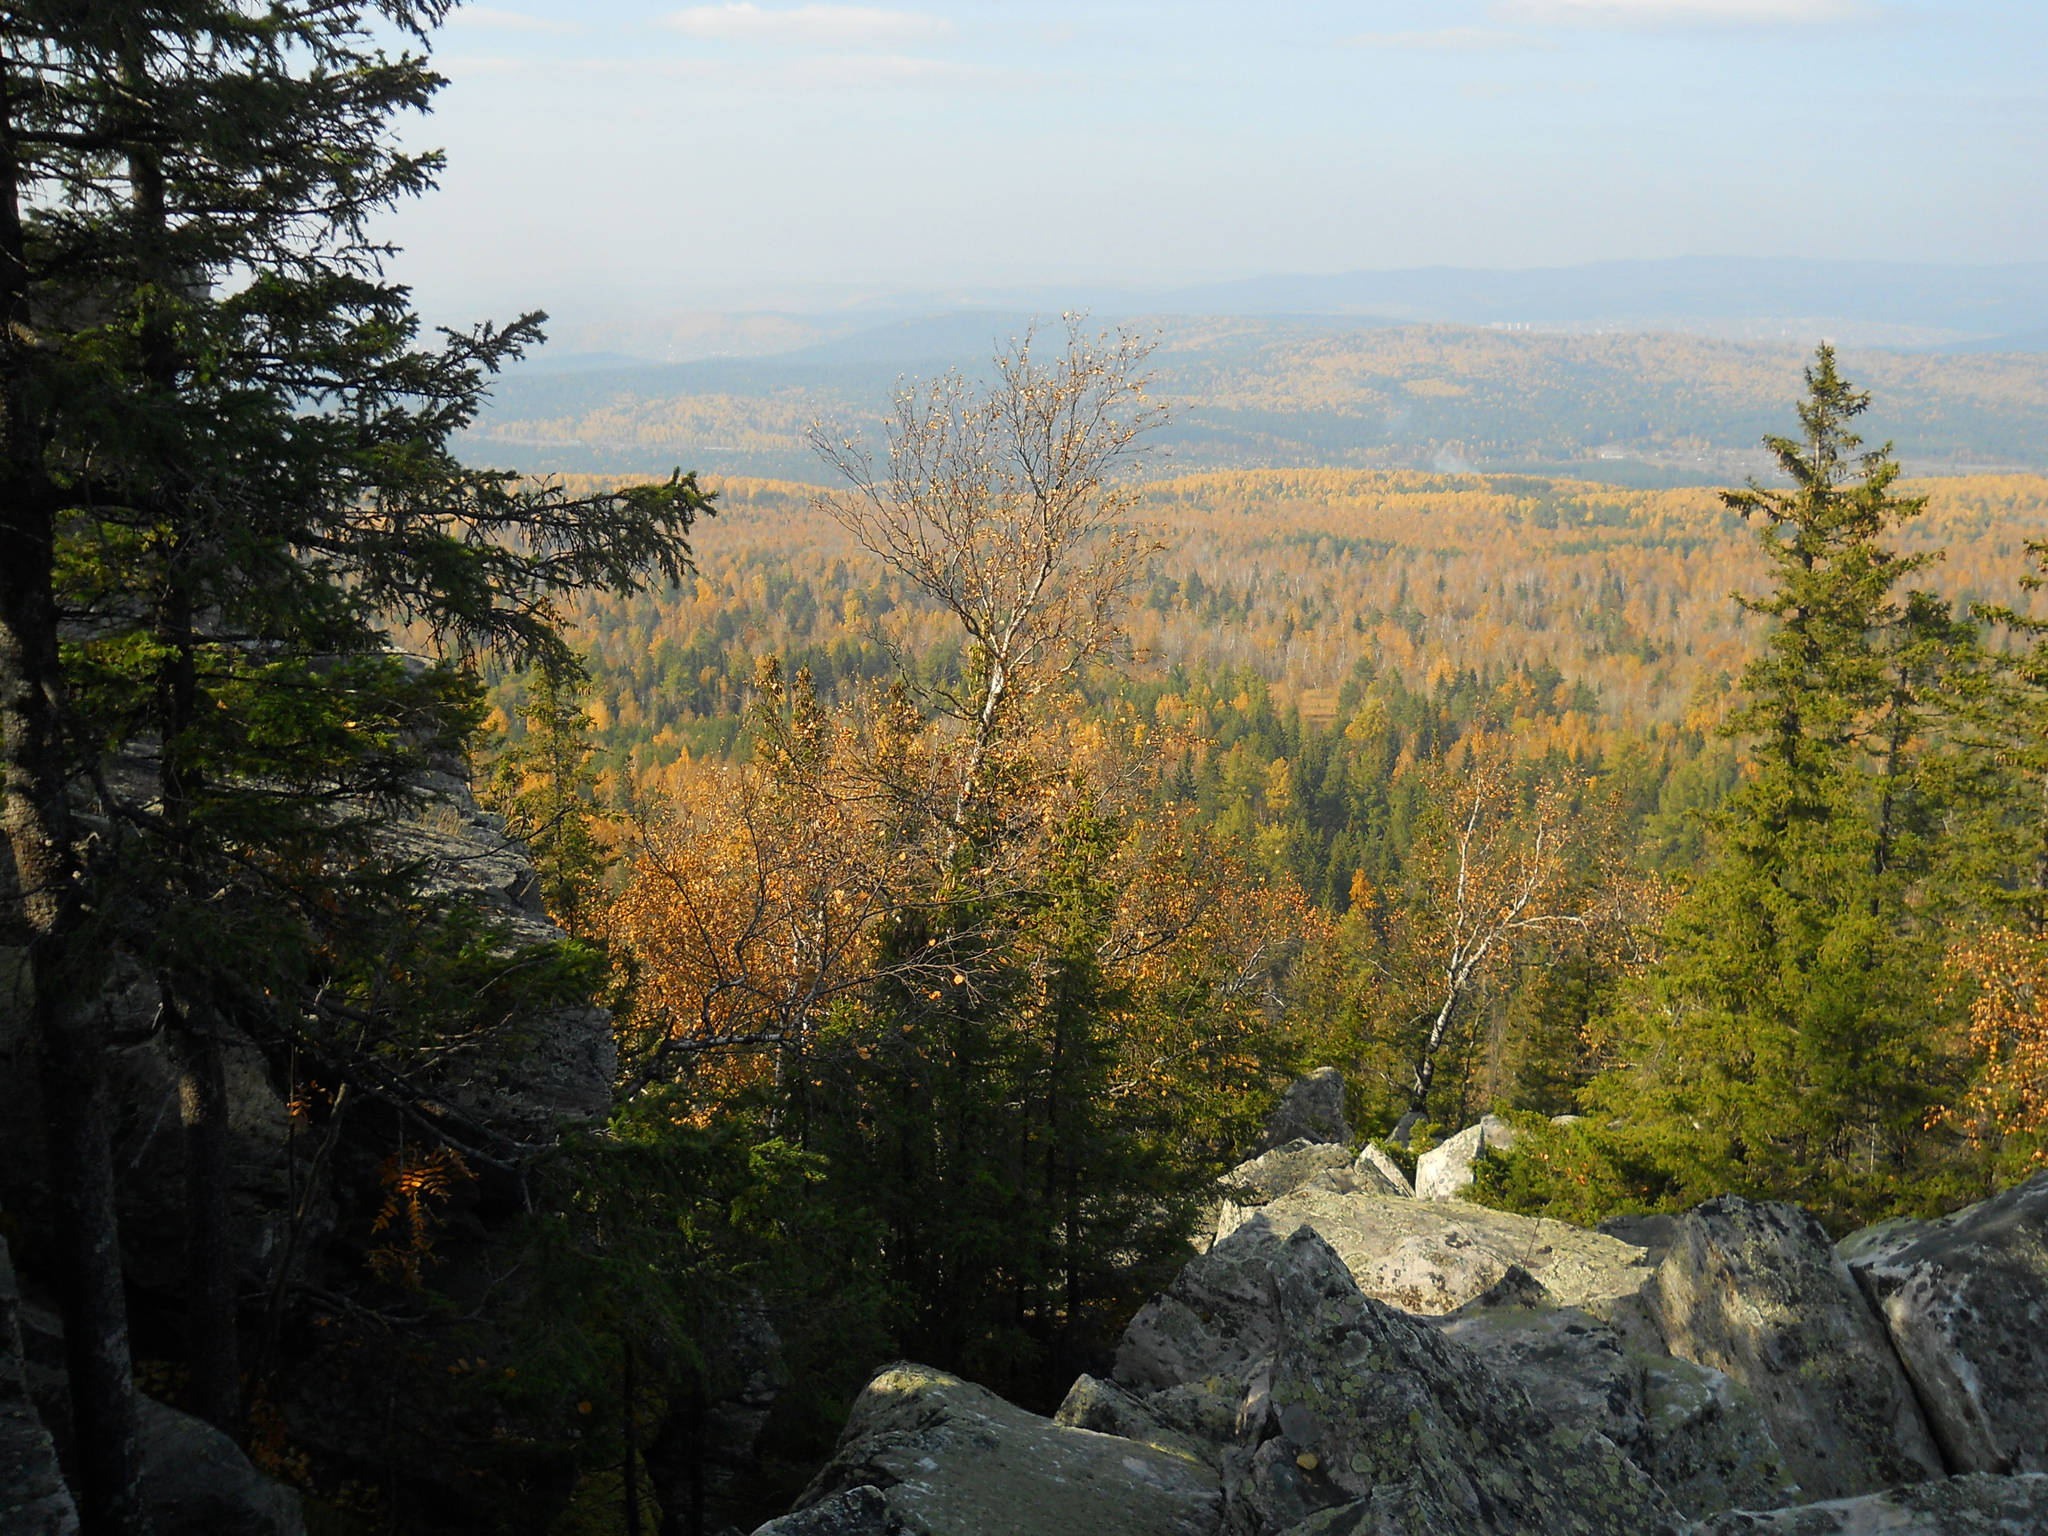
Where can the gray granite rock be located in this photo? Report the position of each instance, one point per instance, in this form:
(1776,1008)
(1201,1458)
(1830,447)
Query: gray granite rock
(1319,1398)
(1445,1170)
(33,1498)
(1653,1232)
(1312,1109)
(1272,1174)
(1757,1292)
(953,1459)
(862,1511)
(1108,1409)
(1371,1156)
(1434,1256)
(1193,1356)
(1339,1182)
(1687,1425)
(1710,1446)
(197,1482)
(1214,1323)
(1573,1366)
(1364,1403)
(1978,1504)
(1965,1300)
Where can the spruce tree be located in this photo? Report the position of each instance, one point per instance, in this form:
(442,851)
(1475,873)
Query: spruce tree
(545,787)
(1787,1044)
(227,472)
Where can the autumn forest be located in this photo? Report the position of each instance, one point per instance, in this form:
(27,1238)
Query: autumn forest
(529,976)
(1696,821)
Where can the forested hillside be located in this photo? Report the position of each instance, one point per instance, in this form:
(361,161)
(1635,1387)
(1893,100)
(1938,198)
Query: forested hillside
(1256,393)
(1609,608)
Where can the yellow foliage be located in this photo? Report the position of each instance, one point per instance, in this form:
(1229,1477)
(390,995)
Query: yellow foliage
(2008,1032)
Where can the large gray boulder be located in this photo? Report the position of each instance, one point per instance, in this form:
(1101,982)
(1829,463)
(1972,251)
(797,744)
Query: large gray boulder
(33,1498)
(1272,1174)
(1758,1293)
(1687,1425)
(1434,1256)
(1361,1404)
(1312,1109)
(1370,1156)
(1445,1170)
(1327,1167)
(952,1459)
(1320,1398)
(197,1482)
(1710,1446)
(1965,1300)
(1109,1409)
(1215,1321)
(1978,1504)
(1573,1366)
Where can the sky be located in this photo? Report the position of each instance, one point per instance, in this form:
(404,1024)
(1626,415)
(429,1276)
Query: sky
(640,157)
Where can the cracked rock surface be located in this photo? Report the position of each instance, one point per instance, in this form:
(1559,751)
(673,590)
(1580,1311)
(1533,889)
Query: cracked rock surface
(1757,1291)
(1965,1300)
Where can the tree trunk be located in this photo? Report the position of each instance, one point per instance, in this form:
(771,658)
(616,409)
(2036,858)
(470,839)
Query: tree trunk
(38,827)
(632,1466)
(675,1461)
(104,1426)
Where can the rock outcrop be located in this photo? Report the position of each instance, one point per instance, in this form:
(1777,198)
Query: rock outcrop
(506,1092)
(1272,1174)
(1345,1358)
(34,1500)
(1757,1292)
(953,1459)
(1108,1409)
(1312,1109)
(1434,1256)
(195,1480)
(1977,1504)
(1321,1398)
(1370,1156)
(1965,1300)
(1687,1425)
(862,1511)
(1446,1169)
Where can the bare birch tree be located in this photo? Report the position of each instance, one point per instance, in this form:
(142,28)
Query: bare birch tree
(1493,872)
(1007,505)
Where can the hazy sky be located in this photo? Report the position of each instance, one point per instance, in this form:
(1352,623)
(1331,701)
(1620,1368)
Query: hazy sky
(733,155)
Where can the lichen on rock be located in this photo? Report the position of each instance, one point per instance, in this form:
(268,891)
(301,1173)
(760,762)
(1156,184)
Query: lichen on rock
(1965,1301)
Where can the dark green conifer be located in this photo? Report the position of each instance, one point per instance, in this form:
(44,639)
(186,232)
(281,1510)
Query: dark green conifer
(227,472)
(1789,1043)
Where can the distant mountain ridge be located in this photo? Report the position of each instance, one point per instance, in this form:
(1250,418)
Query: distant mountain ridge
(1736,298)
(1290,392)
(1909,306)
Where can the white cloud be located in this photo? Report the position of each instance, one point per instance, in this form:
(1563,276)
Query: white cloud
(868,71)
(1449,40)
(807,26)
(509,21)
(1679,13)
